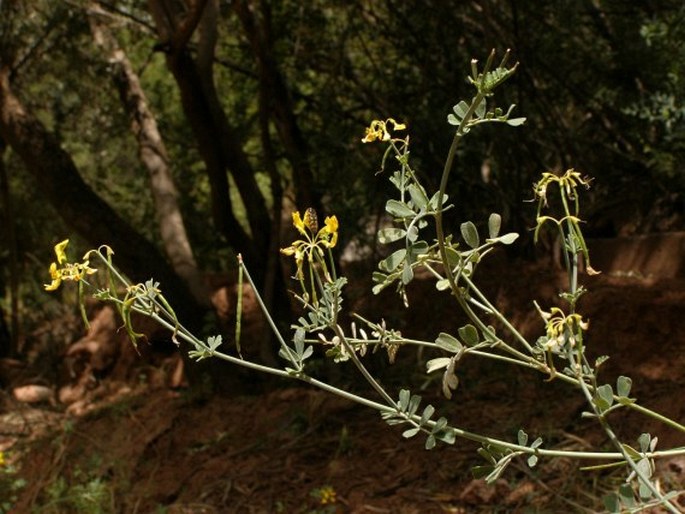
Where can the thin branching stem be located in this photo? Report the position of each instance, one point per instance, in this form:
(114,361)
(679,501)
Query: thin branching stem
(495,312)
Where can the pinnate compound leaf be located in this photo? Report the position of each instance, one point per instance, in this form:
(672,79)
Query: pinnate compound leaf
(470,234)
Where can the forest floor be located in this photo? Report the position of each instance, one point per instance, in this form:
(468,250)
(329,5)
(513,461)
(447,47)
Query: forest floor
(135,445)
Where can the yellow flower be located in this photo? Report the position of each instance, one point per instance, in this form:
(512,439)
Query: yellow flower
(56,278)
(560,327)
(2,459)
(327,495)
(298,223)
(59,251)
(68,271)
(331,228)
(314,239)
(378,130)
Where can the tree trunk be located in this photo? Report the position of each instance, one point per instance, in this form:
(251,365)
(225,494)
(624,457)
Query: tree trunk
(217,141)
(58,179)
(9,337)
(153,155)
(257,28)
(221,148)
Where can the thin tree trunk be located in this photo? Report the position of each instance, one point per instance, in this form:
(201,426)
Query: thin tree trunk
(217,141)
(257,28)
(221,147)
(153,155)
(58,179)
(11,334)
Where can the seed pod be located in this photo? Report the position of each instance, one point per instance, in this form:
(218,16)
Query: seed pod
(311,221)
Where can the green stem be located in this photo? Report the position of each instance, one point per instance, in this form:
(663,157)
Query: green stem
(616,442)
(353,357)
(451,154)
(572,249)
(655,415)
(501,318)
(526,363)
(262,306)
(362,369)
(393,409)
(187,336)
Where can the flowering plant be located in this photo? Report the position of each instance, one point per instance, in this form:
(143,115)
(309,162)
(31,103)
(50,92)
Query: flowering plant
(453,261)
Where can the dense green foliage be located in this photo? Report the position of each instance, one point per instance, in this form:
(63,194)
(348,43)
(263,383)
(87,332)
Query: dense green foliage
(601,86)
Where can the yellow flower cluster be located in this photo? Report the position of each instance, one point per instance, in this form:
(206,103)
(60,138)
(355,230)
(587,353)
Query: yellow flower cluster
(378,130)
(63,270)
(559,326)
(314,239)
(327,495)
(568,182)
